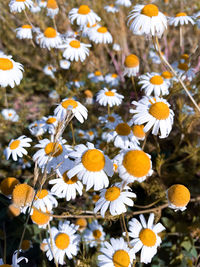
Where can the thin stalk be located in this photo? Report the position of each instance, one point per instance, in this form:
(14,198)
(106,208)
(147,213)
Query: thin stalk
(5,97)
(125,228)
(30,24)
(134,87)
(5,243)
(54,23)
(108,110)
(51,244)
(181,39)
(73,134)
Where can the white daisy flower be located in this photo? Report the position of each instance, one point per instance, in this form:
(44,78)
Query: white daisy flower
(86,29)
(42,3)
(148,20)
(181,19)
(185,71)
(112,79)
(116,47)
(35,8)
(178,197)
(96,77)
(156,113)
(100,35)
(24,32)
(153,83)
(50,124)
(110,121)
(80,112)
(131,65)
(145,237)
(49,70)
(116,254)
(45,201)
(37,128)
(53,94)
(138,131)
(10,114)
(16,147)
(15,260)
(65,64)
(49,39)
(7,185)
(65,242)
(10,71)
(24,163)
(40,218)
(125,3)
(94,234)
(134,165)
(75,50)
(91,166)
(76,83)
(83,15)
(19,5)
(111,8)
(109,97)
(115,198)
(52,8)
(90,135)
(51,154)
(65,187)
(167,76)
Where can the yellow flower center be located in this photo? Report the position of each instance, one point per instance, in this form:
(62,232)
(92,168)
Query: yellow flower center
(115,166)
(181,14)
(5,64)
(41,194)
(62,241)
(22,195)
(156,80)
(75,44)
(179,195)
(84,10)
(97,234)
(97,73)
(88,93)
(138,131)
(91,133)
(66,179)
(147,237)
(50,32)
(131,61)
(25,245)
(53,149)
(9,114)
(123,129)
(26,26)
(95,198)
(111,5)
(14,210)
(15,144)
(185,56)
(93,160)
(102,30)
(114,75)
(52,4)
(109,93)
(150,10)
(111,119)
(8,184)
(112,193)
(51,120)
(159,110)
(183,66)
(167,74)
(137,163)
(69,102)
(81,222)
(40,218)
(121,258)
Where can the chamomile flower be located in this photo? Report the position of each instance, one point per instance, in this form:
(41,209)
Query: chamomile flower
(15,260)
(40,218)
(52,8)
(131,65)
(153,83)
(22,196)
(86,29)
(65,187)
(81,223)
(111,8)
(51,154)
(45,201)
(123,136)
(7,185)
(16,147)
(145,237)
(10,71)
(35,8)
(42,3)
(91,166)
(181,19)
(109,97)
(116,47)
(185,71)
(96,76)
(37,128)
(10,114)
(24,32)
(167,76)
(138,131)
(125,3)
(19,5)
(110,121)
(79,111)
(88,97)
(112,79)
(134,165)
(178,197)
(65,64)
(116,254)
(49,39)
(155,112)
(53,94)
(75,50)
(148,20)
(100,35)
(26,245)
(24,163)
(94,234)
(75,83)
(49,70)
(50,124)
(115,199)
(65,241)
(83,15)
